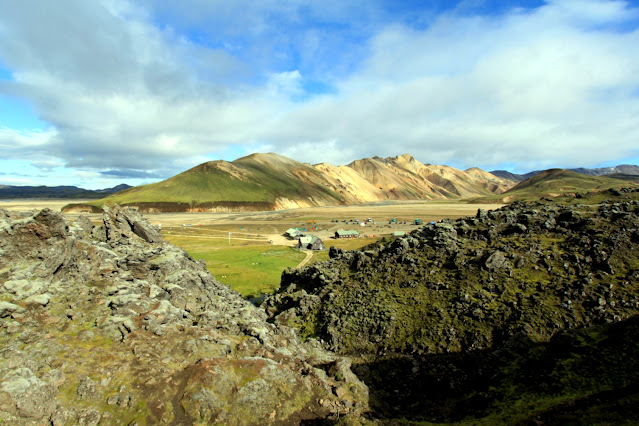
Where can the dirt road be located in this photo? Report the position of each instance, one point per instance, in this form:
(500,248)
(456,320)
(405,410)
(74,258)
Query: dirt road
(309,255)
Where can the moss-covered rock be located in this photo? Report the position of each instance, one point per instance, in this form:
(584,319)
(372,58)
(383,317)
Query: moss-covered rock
(458,292)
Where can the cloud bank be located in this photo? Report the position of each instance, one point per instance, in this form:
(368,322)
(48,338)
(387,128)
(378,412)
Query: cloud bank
(147,92)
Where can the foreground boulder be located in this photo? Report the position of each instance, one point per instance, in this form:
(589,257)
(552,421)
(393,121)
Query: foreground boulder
(109,324)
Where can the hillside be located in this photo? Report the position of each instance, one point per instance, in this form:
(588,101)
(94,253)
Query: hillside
(504,317)
(264,182)
(524,315)
(554,183)
(274,182)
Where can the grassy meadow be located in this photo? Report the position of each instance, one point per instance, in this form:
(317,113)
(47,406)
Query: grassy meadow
(248,263)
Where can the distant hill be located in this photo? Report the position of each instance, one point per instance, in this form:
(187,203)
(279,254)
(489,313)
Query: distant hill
(12,192)
(556,182)
(274,182)
(625,170)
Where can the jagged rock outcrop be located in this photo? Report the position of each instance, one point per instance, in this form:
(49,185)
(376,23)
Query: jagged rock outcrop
(109,324)
(524,315)
(535,268)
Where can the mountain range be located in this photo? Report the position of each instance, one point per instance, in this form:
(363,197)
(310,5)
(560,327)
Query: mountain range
(274,182)
(623,169)
(268,181)
(554,183)
(12,192)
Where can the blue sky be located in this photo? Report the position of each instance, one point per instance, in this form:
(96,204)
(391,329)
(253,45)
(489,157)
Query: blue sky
(98,93)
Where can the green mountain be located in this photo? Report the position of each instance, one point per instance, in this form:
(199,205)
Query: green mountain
(557,182)
(259,181)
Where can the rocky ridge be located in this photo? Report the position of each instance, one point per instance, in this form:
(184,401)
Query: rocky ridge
(109,324)
(456,285)
(444,318)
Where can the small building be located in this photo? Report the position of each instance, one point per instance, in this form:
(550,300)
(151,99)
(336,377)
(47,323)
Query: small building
(293,234)
(340,233)
(399,233)
(310,242)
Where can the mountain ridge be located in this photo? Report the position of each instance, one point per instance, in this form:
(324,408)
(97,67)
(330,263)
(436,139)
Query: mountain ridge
(558,182)
(622,169)
(277,182)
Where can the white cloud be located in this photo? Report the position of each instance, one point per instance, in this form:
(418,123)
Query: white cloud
(555,85)
(26,143)
(517,88)
(288,83)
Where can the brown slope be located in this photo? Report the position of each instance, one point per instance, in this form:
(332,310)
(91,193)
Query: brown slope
(395,183)
(349,183)
(491,182)
(404,177)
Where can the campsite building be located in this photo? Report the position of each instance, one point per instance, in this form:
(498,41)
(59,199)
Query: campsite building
(293,234)
(310,242)
(340,233)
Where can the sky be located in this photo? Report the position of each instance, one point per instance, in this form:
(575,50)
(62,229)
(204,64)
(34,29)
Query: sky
(102,92)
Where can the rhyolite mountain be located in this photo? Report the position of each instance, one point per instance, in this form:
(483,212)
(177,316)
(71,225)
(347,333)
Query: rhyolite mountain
(62,192)
(524,315)
(274,182)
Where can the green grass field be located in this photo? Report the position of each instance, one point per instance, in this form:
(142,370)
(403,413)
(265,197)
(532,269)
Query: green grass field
(250,266)
(248,263)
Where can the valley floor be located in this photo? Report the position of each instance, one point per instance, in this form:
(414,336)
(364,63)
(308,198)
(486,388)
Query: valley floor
(272,224)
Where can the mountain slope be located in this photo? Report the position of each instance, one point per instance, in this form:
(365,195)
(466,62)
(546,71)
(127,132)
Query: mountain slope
(265,181)
(273,182)
(555,182)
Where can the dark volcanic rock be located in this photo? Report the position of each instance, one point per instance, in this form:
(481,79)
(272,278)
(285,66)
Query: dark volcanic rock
(496,261)
(534,268)
(465,319)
